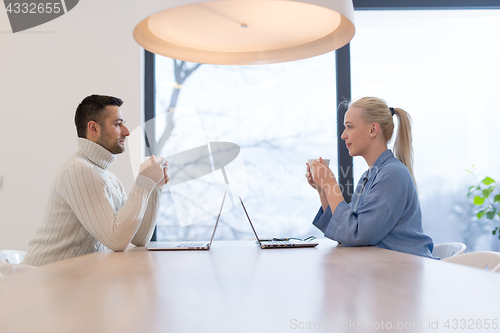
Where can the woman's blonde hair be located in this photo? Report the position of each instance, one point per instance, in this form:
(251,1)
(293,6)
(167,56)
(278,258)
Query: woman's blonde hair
(377,111)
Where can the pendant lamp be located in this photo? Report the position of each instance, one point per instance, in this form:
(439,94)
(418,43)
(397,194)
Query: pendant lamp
(243,32)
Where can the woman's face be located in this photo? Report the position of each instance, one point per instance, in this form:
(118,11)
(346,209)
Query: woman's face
(357,133)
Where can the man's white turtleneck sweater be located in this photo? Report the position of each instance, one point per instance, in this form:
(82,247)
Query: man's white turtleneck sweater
(88,208)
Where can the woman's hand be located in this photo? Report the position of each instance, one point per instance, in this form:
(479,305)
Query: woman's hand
(310,179)
(322,175)
(329,190)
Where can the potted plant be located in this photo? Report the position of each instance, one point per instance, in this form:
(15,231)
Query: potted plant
(485,196)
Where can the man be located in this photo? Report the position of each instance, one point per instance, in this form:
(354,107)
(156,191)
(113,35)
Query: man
(88,207)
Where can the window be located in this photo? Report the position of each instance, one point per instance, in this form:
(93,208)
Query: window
(441,67)
(280,116)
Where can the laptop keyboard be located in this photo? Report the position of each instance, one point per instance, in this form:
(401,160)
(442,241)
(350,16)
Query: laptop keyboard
(191,245)
(273,242)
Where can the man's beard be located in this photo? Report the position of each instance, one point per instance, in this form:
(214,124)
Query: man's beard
(110,143)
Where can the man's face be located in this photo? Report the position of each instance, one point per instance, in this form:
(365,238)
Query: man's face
(113,130)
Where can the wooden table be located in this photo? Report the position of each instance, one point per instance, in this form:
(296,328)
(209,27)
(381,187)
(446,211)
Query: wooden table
(237,287)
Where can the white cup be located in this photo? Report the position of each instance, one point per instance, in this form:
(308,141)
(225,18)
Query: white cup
(327,161)
(148,162)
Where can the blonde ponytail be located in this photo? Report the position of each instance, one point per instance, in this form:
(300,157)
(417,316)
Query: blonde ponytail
(403,148)
(377,111)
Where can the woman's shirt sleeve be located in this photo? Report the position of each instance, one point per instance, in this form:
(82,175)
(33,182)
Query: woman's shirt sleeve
(380,207)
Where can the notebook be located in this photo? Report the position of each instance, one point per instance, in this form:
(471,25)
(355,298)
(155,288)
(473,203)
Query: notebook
(179,246)
(273,243)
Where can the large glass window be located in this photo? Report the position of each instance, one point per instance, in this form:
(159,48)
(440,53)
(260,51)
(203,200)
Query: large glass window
(443,68)
(279,115)
(440,66)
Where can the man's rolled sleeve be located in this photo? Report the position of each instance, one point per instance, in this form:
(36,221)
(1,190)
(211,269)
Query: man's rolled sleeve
(145,182)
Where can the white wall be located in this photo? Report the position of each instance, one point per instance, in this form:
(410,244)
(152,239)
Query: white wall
(44,73)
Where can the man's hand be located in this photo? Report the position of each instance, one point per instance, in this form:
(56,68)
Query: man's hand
(165,178)
(153,169)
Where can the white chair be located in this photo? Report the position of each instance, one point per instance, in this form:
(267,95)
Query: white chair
(487,260)
(447,250)
(12,256)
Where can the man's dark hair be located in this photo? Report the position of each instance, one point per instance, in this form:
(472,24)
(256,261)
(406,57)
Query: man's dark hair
(92,109)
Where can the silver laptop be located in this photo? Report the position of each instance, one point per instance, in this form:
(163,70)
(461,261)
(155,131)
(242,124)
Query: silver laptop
(277,243)
(179,246)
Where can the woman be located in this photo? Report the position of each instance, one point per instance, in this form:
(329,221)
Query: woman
(384,211)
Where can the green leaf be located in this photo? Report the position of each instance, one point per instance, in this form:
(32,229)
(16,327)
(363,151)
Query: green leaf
(478,201)
(481,214)
(487,192)
(488,181)
(497,198)
(469,171)
(470,191)
(491,214)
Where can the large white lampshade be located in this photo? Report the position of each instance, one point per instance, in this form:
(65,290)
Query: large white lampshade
(243,32)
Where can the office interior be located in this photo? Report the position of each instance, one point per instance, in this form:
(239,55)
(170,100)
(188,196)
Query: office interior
(44,72)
